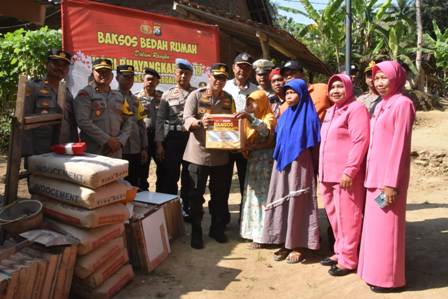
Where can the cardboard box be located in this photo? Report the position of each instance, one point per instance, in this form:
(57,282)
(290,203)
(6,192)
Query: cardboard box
(147,237)
(225,133)
(172,209)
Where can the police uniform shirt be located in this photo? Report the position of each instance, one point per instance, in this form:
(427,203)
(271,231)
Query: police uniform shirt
(99,116)
(41,98)
(239,95)
(151,105)
(138,139)
(171,110)
(198,103)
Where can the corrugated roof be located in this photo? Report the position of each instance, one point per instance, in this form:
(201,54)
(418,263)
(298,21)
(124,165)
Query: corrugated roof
(235,25)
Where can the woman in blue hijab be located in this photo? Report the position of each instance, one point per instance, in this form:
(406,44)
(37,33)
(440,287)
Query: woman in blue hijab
(291,211)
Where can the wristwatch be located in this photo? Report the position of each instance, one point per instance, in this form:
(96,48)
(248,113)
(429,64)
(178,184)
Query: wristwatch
(200,123)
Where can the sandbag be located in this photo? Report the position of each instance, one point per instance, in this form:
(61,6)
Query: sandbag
(106,270)
(88,170)
(89,239)
(111,214)
(77,195)
(87,264)
(109,288)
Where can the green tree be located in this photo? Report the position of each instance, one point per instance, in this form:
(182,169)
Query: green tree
(23,51)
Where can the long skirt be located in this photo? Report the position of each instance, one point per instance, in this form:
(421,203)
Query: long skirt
(256,187)
(291,209)
(382,254)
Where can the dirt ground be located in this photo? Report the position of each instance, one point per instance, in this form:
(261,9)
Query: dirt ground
(233,271)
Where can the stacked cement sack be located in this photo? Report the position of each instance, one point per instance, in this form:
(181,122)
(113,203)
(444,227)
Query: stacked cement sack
(84,196)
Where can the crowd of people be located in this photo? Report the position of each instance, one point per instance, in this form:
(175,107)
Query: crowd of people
(301,139)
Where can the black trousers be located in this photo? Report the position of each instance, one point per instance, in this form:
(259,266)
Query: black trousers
(144,172)
(198,175)
(241,165)
(134,168)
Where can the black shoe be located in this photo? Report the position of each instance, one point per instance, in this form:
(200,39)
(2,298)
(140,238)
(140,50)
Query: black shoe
(385,290)
(219,237)
(335,271)
(196,237)
(328,262)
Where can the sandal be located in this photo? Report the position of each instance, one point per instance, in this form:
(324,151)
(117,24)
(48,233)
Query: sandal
(294,257)
(281,254)
(254,245)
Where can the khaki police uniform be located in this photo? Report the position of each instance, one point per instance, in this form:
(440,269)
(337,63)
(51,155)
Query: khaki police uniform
(206,162)
(137,142)
(151,105)
(170,130)
(100,116)
(41,98)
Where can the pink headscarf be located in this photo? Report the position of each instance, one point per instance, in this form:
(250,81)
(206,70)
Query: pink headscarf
(349,93)
(394,72)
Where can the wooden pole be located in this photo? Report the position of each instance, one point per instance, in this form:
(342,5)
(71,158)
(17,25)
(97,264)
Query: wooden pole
(15,144)
(264,42)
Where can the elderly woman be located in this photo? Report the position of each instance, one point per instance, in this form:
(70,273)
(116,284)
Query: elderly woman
(344,143)
(291,211)
(382,254)
(259,146)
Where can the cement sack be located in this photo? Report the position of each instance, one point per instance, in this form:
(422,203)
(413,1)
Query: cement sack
(89,239)
(87,264)
(89,170)
(106,270)
(77,195)
(111,214)
(109,288)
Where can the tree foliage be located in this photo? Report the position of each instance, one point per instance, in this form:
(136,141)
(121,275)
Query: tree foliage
(23,51)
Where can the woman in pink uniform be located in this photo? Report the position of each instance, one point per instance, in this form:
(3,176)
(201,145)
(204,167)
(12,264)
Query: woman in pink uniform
(382,255)
(344,143)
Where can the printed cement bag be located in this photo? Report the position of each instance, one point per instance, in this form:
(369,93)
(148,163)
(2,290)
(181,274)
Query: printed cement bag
(87,264)
(225,132)
(107,270)
(111,214)
(109,288)
(89,239)
(88,170)
(78,195)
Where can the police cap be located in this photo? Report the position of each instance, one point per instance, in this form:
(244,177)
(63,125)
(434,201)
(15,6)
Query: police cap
(262,66)
(125,69)
(102,63)
(219,69)
(243,58)
(58,54)
(292,65)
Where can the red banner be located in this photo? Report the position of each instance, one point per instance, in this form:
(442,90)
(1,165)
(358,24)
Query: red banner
(128,36)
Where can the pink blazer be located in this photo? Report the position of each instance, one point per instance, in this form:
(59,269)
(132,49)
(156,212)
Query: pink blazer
(344,141)
(388,158)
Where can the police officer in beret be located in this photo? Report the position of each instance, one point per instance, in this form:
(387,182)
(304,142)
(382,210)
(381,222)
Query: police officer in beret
(41,98)
(136,149)
(150,97)
(171,137)
(207,163)
(101,115)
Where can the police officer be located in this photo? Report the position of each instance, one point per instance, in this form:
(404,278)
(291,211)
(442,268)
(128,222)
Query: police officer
(136,149)
(41,98)
(204,163)
(101,114)
(150,97)
(171,137)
